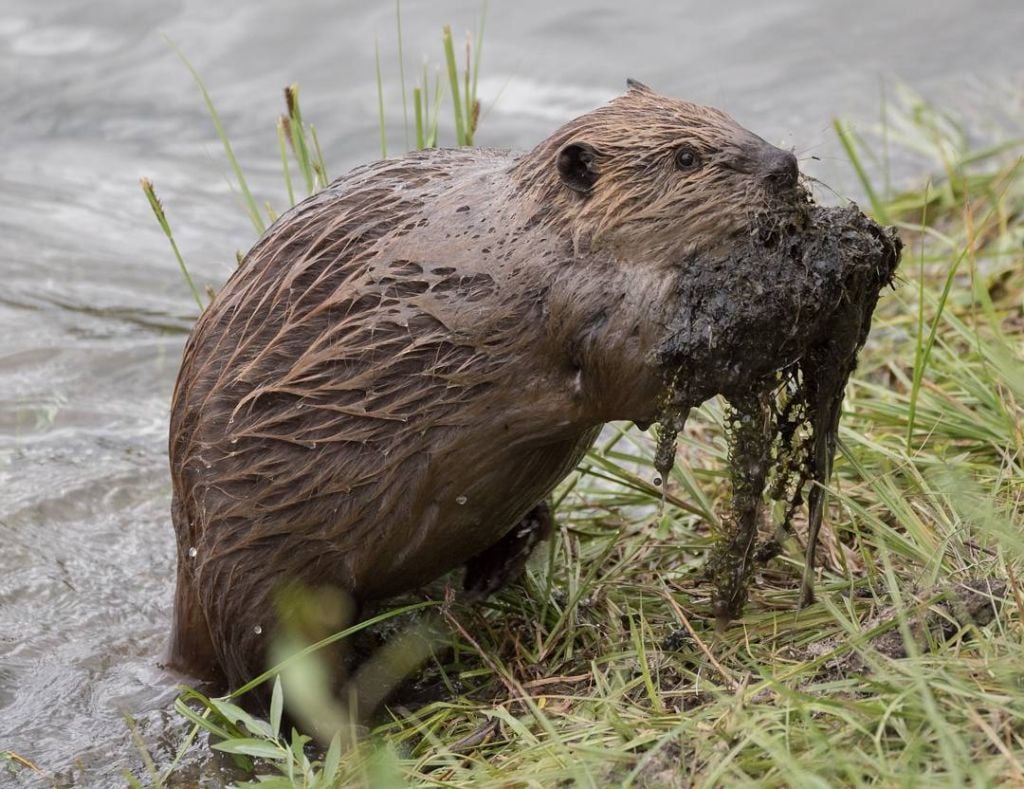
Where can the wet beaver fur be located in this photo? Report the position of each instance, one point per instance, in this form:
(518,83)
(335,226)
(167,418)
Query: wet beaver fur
(406,364)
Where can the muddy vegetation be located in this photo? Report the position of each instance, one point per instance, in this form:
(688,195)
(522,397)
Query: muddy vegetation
(776,329)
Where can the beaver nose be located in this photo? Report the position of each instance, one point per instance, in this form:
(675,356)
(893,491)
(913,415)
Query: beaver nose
(780,169)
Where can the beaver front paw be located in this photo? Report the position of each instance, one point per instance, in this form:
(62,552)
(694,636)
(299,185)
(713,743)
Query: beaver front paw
(489,571)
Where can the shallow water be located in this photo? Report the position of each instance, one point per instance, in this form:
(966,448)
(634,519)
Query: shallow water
(94,311)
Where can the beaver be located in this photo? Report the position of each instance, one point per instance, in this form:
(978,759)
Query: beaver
(404,365)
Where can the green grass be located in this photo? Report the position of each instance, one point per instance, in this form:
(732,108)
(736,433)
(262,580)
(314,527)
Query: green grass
(299,147)
(603,666)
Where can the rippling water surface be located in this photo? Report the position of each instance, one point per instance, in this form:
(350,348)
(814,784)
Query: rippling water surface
(93,310)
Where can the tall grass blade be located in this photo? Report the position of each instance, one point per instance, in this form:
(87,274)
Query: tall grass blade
(846,138)
(285,166)
(417,101)
(319,165)
(298,137)
(158,212)
(250,203)
(453,79)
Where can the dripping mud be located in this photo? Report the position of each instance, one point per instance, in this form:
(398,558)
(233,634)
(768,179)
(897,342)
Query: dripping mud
(776,329)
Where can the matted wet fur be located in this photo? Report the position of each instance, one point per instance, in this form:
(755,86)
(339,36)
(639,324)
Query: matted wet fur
(405,364)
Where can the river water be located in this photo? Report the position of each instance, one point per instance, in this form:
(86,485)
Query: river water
(94,311)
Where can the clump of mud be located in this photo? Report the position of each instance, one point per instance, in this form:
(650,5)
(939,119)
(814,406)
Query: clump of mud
(776,329)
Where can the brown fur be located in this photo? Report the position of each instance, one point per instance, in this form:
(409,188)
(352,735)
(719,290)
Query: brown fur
(406,363)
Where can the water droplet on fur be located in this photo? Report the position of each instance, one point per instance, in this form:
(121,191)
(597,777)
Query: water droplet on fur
(461,500)
(657,480)
(234,440)
(193,552)
(257,630)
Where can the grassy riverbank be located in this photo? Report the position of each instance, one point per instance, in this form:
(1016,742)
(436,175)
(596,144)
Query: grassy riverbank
(602,667)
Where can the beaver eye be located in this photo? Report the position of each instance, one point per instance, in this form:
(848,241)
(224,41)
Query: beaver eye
(687,158)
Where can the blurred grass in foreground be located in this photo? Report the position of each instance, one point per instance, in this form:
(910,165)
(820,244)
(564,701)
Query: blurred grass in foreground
(602,668)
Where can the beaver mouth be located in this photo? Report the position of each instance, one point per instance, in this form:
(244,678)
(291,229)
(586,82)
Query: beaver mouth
(775,327)
(801,279)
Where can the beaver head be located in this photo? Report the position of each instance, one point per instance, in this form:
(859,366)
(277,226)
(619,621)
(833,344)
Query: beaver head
(655,178)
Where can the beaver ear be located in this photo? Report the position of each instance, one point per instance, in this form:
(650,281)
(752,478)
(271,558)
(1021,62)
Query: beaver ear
(636,86)
(577,166)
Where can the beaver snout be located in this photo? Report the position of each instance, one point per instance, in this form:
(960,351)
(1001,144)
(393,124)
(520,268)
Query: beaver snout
(780,169)
(753,156)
